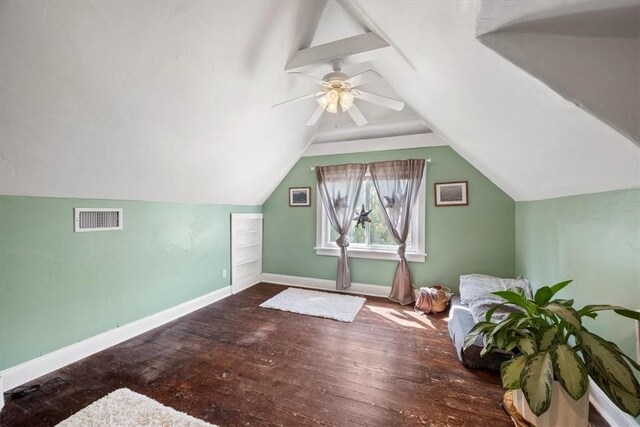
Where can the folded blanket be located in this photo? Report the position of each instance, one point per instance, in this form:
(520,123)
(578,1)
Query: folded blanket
(479,307)
(473,286)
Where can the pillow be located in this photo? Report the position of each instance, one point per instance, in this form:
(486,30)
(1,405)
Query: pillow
(479,307)
(473,286)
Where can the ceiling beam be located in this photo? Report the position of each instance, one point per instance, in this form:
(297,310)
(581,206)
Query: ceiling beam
(361,48)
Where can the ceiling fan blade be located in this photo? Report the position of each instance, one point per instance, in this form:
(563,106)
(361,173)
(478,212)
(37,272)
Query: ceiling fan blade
(310,95)
(316,115)
(308,77)
(357,116)
(394,104)
(363,78)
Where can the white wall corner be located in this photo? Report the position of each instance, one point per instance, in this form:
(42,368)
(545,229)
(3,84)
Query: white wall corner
(35,368)
(609,411)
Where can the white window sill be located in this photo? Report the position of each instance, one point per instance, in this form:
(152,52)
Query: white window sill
(371,254)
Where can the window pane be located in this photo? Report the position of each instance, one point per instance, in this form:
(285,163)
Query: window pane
(355,235)
(379,232)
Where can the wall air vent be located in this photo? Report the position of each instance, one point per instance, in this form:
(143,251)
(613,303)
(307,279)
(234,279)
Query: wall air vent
(97,219)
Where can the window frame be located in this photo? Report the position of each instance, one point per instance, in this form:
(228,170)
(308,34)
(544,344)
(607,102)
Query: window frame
(415,253)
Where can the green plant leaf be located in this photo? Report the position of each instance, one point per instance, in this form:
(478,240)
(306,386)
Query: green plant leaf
(543,295)
(511,370)
(559,286)
(478,328)
(492,310)
(502,338)
(511,344)
(500,326)
(570,370)
(547,337)
(514,298)
(486,349)
(527,345)
(624,400)
(631,361)
(607,359)
(622,311)
(567,314)
(565,302)
(536,380)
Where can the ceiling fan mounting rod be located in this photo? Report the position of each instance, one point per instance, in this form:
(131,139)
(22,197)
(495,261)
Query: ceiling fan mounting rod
(336,64)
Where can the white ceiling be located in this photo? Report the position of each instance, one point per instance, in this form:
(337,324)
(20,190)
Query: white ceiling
(495,15)
(145,100)
(171,100)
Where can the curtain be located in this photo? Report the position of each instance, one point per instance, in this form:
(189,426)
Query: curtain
(339,187)
(398,183)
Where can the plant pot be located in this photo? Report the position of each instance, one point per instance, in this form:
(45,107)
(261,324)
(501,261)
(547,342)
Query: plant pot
(563,412)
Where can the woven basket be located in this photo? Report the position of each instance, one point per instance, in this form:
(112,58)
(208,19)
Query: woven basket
(433,299)
(441,300)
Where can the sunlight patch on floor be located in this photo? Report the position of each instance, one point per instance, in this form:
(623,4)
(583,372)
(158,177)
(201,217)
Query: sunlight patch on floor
(407,318)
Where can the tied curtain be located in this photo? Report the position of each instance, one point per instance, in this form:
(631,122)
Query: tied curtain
(339,187)
(398,183)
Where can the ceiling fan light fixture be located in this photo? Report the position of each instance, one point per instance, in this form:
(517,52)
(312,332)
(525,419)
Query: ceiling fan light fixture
(346,100)
(329,101)
(338,88)
(332,108)
(333,96)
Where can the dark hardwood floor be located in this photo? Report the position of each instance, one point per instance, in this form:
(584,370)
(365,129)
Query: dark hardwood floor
(233,363)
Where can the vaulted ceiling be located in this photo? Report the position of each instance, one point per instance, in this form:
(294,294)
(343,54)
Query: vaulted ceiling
(172,100)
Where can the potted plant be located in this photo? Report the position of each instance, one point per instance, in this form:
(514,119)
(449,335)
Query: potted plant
(554,356)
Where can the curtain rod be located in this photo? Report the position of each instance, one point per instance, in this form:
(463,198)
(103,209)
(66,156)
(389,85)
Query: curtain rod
(426,160)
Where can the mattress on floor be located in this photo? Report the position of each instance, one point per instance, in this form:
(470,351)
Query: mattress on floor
(460,323)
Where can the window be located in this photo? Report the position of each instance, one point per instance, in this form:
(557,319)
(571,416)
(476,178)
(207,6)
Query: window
(375,240)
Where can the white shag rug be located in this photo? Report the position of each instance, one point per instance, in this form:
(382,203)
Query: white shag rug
(319,304)
(125,408)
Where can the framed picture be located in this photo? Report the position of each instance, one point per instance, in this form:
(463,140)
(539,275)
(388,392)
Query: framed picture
(451,193)
(300,196)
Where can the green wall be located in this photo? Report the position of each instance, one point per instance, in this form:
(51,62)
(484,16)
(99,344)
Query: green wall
(58,287)
(478,238)
(593,239)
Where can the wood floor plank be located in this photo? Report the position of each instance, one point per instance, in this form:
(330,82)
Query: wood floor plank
(233,363)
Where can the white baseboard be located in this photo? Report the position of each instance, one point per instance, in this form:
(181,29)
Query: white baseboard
(609,411)
(32,369)
(329,285)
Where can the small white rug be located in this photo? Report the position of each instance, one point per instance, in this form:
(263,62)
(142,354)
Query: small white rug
(319,304)
(125,408)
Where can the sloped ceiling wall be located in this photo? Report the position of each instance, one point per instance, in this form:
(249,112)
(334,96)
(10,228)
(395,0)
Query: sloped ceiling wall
(592,58)
(171,100)
(524,136)
(149,100)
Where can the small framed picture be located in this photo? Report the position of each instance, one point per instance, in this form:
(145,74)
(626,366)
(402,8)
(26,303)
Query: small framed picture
(452,193)
(300,196)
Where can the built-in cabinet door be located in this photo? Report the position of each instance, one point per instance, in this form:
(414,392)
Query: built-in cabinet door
(246,250)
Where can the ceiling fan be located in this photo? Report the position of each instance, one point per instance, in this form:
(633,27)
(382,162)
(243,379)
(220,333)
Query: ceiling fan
(338,89)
